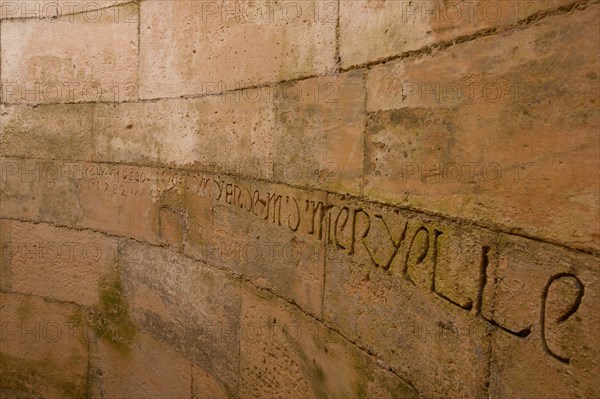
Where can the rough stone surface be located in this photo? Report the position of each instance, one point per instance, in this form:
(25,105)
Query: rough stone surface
(82,68)
(54,131)
(43,352)
(206,386)
(288,40)
(250,229)
(274,200)
(193,308)
(60,264)
(216,134)
(318,140)
(372,30)
(556,293)
(436,345)
(145,369)
(494,158)
(286,354)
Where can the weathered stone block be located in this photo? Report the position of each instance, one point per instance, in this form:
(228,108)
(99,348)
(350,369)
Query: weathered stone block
(163,132)
(63,60)
(126,200)
(63,9)
(206,386)
(380,292)
(42,350)
(554,294)
(20,195)
(57,263)
(232,44)
(228,134)
(288,354)
(372,30)
(147,368)
(193,308)
(47,131)
(319,138)
(117,199)
(492,139)
(270,233)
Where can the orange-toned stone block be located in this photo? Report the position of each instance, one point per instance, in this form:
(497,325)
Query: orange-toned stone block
(494,138)
(232,44)
(270,233)
(20,192)
(89,57)
(284,353)
(57,263)
(148,368)
(227,134)
(50,131)
(554,293)
(206,386)
(383,291)
(319,138)
(42,350)
(193,308)
(372,30)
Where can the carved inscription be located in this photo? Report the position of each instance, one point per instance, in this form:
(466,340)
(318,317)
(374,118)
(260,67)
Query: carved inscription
(411,247)
(566,315)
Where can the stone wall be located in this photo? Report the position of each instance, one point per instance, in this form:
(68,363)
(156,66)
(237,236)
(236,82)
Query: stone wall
(299,199)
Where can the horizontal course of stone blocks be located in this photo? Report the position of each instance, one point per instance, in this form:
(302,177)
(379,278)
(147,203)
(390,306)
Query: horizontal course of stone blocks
(353,199)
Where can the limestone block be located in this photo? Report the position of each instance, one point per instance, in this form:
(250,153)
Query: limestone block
(84,57)
(493,138)
(225,46)
(372,30)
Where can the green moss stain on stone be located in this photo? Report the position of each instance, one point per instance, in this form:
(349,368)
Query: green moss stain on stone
(32,378)
(311,370)
(24,310)
(366,373)
(111,320)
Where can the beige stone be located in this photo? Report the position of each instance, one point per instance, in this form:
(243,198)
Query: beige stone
(285,354)
(379,293)
(193,308)
(384,202)
(372,30)
(250,228)
(230,45)
(125,200)
(84,57)
(206,386)
(42,350)
(57,263)
(227,134)
(20,196)
(148,368)
(146,133)
(47,131)
(521,162)
(64,9)
(553,292)
(319,137)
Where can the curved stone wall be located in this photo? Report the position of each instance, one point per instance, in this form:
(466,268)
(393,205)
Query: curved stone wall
(299,199)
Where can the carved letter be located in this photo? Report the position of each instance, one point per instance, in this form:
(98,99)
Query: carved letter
(565,316)
(276,200)
(319,210)
(295,228)
(484,266)
(396,244)
(421,256)
(335,226)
